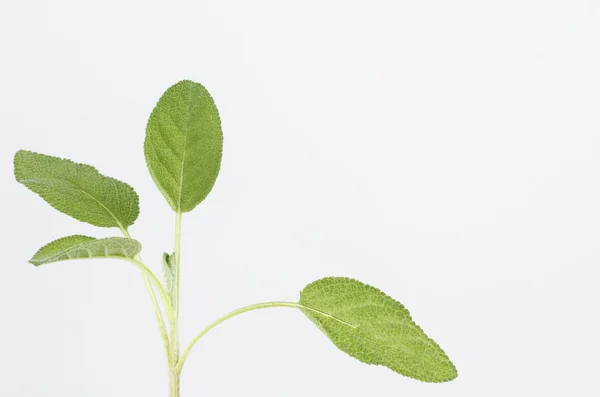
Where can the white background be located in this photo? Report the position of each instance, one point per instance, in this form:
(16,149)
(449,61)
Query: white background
(445,152)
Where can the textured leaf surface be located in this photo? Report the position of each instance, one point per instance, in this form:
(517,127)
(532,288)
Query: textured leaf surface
(78,190)
(184,145)
(374,328)
(83,247)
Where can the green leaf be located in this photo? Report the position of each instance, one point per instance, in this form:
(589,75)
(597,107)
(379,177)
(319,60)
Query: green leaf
(374,328)
(184,145)
(78,190)
(169,273)
(84,247)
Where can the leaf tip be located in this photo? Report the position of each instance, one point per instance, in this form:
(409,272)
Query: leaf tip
(33,262)
(448,373)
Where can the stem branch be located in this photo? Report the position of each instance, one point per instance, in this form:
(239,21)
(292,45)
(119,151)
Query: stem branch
(159,317)
(157,312)
(161,291)
(228,316)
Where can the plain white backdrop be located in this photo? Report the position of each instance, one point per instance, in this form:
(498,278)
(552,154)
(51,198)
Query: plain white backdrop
(445,152)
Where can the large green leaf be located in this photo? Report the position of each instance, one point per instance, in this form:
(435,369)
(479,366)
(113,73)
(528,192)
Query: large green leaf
(83,247)
(184,145)
(374,328)
(78,190)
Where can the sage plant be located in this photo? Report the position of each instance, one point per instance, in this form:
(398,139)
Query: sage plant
(183,149)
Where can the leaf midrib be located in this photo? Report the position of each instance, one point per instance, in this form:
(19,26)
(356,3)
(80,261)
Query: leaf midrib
(185,135)
(79,247)
(331,316)
(78,188)
(374,336)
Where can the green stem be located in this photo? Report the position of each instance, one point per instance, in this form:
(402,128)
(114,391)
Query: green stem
(159,318)
(157,312)
(161,291)
(174,384)
(174,337)
(245,309)
(227,317)
(177,255)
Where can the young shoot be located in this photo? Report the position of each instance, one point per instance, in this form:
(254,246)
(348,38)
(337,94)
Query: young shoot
(183,150)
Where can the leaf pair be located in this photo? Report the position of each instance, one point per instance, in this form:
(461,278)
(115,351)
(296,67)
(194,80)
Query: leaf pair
(80,191)
(183,150)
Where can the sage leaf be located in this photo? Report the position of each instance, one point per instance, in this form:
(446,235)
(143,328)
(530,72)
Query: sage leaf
(184,145)
(84,247)
(78,190)
(370,326)
(169,274)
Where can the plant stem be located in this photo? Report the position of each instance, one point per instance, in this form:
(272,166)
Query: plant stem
(157,312)
(177,256)
(234,313)
(174,338)
(159,318)
(158,286)
(173,384)
(264,305)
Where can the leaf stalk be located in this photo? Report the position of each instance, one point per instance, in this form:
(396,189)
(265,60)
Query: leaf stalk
(229,315)
(174,337)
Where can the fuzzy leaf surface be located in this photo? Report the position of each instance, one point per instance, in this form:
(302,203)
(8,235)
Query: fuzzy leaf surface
(370,326)
(78,190)
(84,247)
(184,145)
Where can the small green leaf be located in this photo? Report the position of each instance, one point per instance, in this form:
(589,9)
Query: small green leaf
(78,190)
(374,328)
(169,273)
(184,145)
(84,247)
